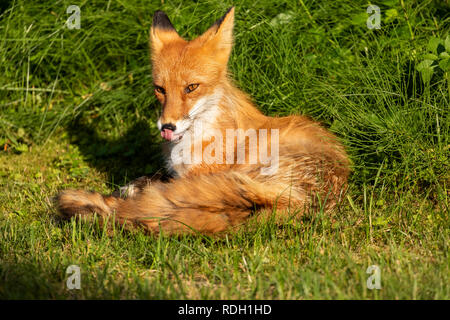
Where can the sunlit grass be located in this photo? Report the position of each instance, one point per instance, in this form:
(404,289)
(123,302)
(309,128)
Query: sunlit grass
(77,110)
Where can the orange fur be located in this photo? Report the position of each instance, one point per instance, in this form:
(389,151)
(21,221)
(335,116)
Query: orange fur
(211,197)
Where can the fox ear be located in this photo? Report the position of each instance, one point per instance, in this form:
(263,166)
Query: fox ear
(162,31)
(219,37)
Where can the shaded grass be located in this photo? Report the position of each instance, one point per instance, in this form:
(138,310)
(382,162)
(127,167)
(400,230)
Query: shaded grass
(77,111)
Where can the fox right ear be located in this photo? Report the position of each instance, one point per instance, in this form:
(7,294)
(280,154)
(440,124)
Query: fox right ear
(219,37)
(162,31)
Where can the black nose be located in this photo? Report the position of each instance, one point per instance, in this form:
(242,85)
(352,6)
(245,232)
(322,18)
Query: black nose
(168,126)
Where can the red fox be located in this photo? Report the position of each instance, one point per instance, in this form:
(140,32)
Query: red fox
(220,191)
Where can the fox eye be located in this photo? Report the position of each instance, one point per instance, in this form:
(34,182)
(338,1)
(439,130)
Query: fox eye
(160,89)
(191,87)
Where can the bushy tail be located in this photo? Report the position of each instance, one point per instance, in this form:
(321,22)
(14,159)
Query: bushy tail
(207,203)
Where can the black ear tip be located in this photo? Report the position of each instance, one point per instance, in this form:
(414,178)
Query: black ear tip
(161,20)
(219,22)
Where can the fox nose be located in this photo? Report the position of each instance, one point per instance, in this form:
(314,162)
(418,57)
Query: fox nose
(168,126)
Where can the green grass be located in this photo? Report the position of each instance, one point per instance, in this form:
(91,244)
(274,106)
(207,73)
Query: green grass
(77,110)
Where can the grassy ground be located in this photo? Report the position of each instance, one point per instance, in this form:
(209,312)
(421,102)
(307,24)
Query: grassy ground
(76,110)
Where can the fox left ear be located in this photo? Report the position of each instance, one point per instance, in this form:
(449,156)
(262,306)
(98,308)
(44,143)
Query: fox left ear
(162,31)
(219,37)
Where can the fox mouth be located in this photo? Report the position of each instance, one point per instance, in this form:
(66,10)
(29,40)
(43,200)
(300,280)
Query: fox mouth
(169,135)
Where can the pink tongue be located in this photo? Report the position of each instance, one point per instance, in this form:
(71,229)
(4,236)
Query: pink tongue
(167,134)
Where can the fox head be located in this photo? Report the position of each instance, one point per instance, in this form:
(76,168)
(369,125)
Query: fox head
(188,75)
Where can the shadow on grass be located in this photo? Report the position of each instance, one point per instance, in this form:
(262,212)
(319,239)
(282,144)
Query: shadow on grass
(26,281)
(136,153)
(4,5)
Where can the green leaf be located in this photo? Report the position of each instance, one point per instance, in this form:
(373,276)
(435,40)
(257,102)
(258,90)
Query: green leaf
(391,15)
(20,132)
(424,64)
(427,73)
(433,44)
(430,56)
(403,31)
(21,147)
(444,55)
(444,64)
(359,19)
(389,3)
(426,70)
(282,18)
(447,44)
(380,221)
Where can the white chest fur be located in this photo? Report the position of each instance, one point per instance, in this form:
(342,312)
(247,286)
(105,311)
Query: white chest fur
(180,156)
